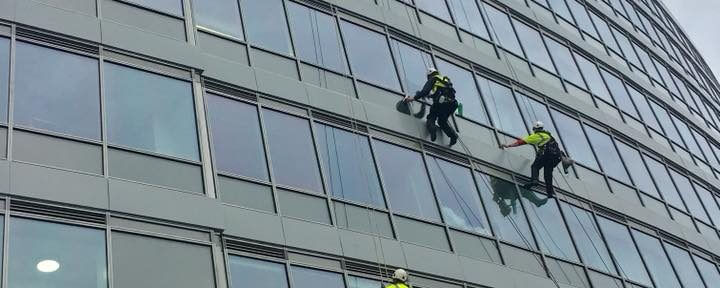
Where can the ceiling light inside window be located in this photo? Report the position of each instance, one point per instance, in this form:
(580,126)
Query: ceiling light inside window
(48,266)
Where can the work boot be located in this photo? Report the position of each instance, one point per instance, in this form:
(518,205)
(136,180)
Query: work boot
(551,192)
(433,136)
(566,163)
(453,140)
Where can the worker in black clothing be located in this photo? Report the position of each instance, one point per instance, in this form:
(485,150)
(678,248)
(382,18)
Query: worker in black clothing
(444,104)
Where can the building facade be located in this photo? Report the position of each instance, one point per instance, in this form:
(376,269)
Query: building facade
(256,143)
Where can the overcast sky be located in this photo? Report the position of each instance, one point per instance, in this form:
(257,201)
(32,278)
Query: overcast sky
(699,19)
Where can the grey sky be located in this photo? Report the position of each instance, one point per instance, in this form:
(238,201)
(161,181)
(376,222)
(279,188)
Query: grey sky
(699,19)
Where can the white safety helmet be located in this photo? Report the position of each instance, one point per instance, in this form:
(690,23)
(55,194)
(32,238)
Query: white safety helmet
(431,71)
(538,125)
(400,275)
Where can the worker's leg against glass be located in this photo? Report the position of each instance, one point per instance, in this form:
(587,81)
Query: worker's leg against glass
(447,109)
(535,171)
(431,119)
(549,166)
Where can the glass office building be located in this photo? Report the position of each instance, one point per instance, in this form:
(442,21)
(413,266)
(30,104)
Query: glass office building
(255,143)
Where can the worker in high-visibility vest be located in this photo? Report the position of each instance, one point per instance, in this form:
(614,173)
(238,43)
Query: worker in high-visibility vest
(399,279)
(440,89)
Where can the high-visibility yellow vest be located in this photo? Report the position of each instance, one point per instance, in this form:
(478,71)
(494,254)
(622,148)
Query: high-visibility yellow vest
(397,285)
(439,83)
(538,139)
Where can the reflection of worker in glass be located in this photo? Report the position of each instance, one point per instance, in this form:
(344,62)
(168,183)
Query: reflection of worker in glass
(505,195)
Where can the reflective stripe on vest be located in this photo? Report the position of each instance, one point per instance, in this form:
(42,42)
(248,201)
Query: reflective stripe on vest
(397,285)
(439,83)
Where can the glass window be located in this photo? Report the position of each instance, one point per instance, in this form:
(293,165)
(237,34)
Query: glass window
(574,139)
(404,177)
(706,197)
(587,238)
(604,31)
(566,65)
(219,15)
(705,147)
(316,36)
(412,63)
(664,184)
(645,60)
(664,118)
(624,251)
(626,47)
(435,8)
(708,270)
(310,278)
(266,25)
(688,194)
(4,78)
(467,92)
(684,266)
(644,108)
(236,137)
(610,160)
(637,169)
(46,255)
(348,165)
(369,56)
(582,18)
(68,101)
(150,112)
(170,6)
(459,200)
(249,272)
(687,136)
(534,46)
(505,211)
(560,7)
(660,268)
(357,282)
(592,76)
(551,231)
(292,153)
(621,96)
(503,30)
(469,17)
(533,110)
(503,110)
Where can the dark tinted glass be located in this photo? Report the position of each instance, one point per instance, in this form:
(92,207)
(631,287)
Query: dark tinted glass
(4,78)
(624,251)
(636,168)
(236,137)
(534,46)
(587,237)
(552,234)
(565,63)
(169,6)
(219,15)
(412,63)
(466,90)
(369,56)
(684,266)
(660,269)
(468,16)
(574,139)
(292,151)
(503,30)
(57,91)
(311,278)
(317,39)
(505,211)
(266,24)
(248,272)
(504,112)
(610,159)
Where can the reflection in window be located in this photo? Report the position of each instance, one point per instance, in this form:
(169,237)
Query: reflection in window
(688,194)
(574,139)
(617,89)
(369,56)
(552,234)
(248,272)
(459,200)
(169,6)
(404,177)
(637,170)
(468,16)
(310,278)
(610,159)
(236,138)
(357,282)
(504,112)
(624,251)
(708,270)
(587,237)
(534,46)
(592,76)
(219,15)
(435,8)
(46,255)
(565,63)
(660,269)
(412,63)
(68,99)
(291,151)
(503,30)
(150,112)
(684,266)
(505,211)
(4,78)
(467,92)
(664,184)
(266,25)
(316,36)
(348,165)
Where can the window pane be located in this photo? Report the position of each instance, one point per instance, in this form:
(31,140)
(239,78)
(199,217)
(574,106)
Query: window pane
(626,47)
(369,56)
(357,282)
(435,8)
(219,15)
(587,237)
(68,101)
(459,200)
(467,92)
(637,169)
(412,63)
(685,268)
(644,107)
(310,278)
(565,63)
(621,96)
(4,78)
(660,269)
(560,7)
(604,31)
(592,76)
(534,46)
(170,6)
(645,60)
(706,197)
(468,16)
(534,110)
(688,194)
(574,139)
(150,112)
(266,24)
(47,255)
(708,270)
(291,151)
(348,165)
(687,136)
(503,109)
(582,17)
(667,125)
(505,211)
(316,36)
(610,160)
(553,236)
(236,137)
(248,272)
(623,248)
(664,184)
(503,30)
(404,176)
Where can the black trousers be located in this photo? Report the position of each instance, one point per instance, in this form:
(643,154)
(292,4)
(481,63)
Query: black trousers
(547,162)
(440,113)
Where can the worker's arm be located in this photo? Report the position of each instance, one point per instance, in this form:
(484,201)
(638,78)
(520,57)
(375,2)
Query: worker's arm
(425,92)
(518,142)
(530,139)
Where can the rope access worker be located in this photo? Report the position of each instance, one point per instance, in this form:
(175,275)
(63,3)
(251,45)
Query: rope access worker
(399,279)
(548,155)
(444,104)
